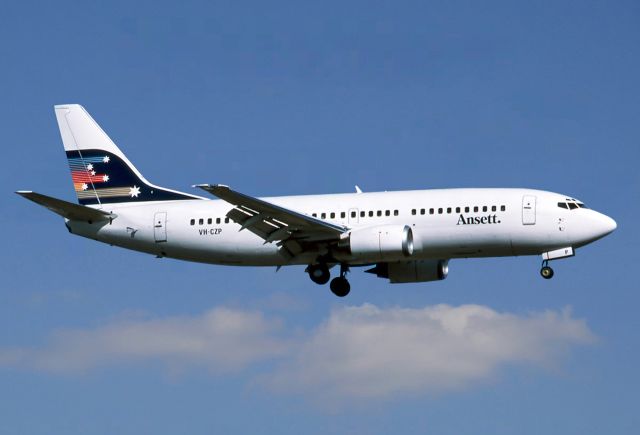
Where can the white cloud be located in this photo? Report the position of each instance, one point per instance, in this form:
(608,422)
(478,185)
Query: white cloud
(221,339)
(369,352)
(361,352)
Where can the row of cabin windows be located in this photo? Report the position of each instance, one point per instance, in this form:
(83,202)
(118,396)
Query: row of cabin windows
(209,221)
(449,210)
(354,214)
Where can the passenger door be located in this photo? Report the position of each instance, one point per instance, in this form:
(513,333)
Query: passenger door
(528,210)
(160,226)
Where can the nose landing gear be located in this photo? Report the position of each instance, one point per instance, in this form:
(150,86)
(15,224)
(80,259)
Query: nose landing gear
(546,271)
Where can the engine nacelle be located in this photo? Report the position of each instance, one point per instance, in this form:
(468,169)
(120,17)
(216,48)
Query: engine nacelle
(382,243)
(412,271)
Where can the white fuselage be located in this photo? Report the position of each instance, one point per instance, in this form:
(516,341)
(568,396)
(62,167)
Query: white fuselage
(446,223)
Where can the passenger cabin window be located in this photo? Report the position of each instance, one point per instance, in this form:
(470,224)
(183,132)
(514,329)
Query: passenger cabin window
(503,208)
(353,214)
(396,212)
(323,215)
(362,214)
(387,213)
(342,215)
(379,213)
(484,208)
(439,211)
(314,215)
(466,209)
(457,209)
(413,211)
(209,221)
(332,215)
(475,209)
(422,210)
(193,221)
(201,221)
(494,208)
(370,213)
(448,210)
(217,220)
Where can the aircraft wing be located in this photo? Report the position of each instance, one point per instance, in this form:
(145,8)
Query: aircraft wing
(273,223)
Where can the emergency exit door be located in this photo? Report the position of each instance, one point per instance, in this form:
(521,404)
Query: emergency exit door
(160,226)
(528,210)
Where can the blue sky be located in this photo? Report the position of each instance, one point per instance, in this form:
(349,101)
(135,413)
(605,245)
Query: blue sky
(295,98)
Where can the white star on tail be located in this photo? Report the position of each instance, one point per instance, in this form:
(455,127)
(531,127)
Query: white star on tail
(105,159)
(93,172)
(134,191)
(105,178)
(84,186)
(89,167)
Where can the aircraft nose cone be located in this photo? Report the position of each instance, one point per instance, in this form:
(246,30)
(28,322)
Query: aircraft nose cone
(605,225)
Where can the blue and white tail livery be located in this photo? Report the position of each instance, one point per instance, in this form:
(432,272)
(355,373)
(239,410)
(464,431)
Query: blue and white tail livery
(101,173)
(403,236)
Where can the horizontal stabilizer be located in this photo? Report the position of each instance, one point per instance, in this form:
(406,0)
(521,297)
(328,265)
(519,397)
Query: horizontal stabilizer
(66,209)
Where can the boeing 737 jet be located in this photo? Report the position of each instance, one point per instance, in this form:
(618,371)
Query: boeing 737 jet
(405,236)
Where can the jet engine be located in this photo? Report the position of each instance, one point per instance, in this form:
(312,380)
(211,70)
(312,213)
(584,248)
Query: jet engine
(381,243)
(412,271)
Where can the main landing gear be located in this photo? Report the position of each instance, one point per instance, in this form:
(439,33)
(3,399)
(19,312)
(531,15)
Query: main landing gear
(319,273)
(546,271)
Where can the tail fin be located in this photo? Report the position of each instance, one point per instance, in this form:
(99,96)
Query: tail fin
(101,173)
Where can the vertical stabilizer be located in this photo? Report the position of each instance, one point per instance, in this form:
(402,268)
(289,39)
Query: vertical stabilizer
(101,173)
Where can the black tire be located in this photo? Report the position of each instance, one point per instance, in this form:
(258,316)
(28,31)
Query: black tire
(340,287)
(319,273)
(546,272)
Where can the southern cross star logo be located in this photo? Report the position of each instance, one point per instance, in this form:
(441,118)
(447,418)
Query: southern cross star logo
(105,159)
(134,191)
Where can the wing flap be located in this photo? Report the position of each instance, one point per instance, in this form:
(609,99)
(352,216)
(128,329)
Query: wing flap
(272,222)
(71,211)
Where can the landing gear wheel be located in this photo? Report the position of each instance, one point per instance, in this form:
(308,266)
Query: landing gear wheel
(546,272)
(340,286)
(319,273)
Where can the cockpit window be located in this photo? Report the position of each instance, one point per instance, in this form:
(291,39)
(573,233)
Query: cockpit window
(571,204)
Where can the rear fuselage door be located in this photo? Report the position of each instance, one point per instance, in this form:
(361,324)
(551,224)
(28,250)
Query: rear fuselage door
(528,210)
(160,226)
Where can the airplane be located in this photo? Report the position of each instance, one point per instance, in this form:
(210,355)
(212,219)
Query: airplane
(403,236)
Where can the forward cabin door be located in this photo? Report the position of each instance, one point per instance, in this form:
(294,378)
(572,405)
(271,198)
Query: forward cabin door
(528,210)
(160,226)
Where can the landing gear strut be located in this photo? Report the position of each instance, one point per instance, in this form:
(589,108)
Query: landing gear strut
(319,273)
(340,285)
(546,271)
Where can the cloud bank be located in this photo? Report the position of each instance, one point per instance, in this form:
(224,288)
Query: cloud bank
(362,352)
